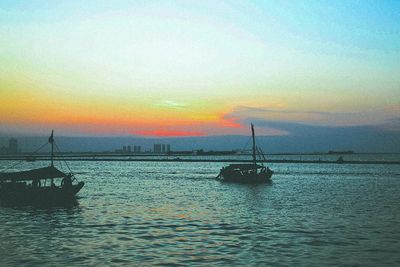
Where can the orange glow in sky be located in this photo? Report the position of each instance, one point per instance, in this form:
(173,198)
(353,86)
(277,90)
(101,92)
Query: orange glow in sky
(186,69)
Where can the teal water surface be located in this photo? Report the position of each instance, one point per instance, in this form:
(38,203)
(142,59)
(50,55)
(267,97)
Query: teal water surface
(161,213)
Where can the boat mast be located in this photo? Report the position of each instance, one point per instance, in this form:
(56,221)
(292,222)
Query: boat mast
(52,154)
(51,141)
(254,144)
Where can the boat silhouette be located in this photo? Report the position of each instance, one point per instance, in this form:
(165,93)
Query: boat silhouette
(254,172)
(30,187)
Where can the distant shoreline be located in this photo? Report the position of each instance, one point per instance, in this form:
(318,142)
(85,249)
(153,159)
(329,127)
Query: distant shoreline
(191,153)
(178,159)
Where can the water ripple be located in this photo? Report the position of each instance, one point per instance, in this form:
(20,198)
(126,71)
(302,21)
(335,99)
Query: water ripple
(161,214)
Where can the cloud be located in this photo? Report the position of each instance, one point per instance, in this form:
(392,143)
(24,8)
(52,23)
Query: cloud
(375,117)
(391,125)
(305,137)
(171,104)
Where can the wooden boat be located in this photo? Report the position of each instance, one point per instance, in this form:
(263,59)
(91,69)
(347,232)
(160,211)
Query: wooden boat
(247,172)
(30,187)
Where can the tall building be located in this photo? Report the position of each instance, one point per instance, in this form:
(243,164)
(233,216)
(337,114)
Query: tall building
(13,146)
(137,149)
(162,148)
(129,149)
(157,148)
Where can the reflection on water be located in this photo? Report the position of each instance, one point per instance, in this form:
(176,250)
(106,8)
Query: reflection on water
(176,213)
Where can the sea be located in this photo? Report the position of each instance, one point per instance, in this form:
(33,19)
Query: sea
(140,213)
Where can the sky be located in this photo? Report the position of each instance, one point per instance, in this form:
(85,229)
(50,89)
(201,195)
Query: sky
(198,68)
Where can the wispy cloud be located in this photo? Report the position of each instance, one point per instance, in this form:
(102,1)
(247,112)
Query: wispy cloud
(171,104)
(375,117)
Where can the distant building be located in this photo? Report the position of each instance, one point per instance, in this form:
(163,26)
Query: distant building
(161,148)
(129,149)
(157,148)
(124,149)
(137,149)
(13,146)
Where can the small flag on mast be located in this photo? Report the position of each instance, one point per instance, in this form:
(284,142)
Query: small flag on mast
(51,139)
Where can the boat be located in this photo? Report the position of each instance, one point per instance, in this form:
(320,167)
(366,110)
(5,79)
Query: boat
(33,187)
(253,173)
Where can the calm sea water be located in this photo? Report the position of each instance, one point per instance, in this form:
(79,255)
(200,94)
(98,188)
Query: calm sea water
(171,213)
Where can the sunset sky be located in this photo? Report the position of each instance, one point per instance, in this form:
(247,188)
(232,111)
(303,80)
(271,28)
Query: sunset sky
(189,68)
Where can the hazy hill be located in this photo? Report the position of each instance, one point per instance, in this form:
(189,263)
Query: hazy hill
(320,139)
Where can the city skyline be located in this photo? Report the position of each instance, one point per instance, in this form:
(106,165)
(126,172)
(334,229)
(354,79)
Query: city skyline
(183,68)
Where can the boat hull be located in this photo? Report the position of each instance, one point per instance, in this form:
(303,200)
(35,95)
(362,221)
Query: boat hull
(246,178)
(19,195)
